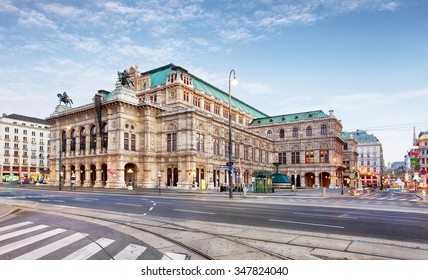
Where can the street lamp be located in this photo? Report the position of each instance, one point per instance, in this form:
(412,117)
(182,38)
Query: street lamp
(159,177)
(232,81)
(60,156)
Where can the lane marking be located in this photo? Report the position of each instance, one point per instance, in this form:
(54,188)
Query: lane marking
(24,242)
(128,204)
(15,226)
(86,198)
(317,215)
(45,250)
(21,232)
(301,223)
(173,256)
(225,207)
(197,212)
(131,252)
(89,250)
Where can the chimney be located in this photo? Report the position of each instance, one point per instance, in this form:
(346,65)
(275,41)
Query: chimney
(331,113)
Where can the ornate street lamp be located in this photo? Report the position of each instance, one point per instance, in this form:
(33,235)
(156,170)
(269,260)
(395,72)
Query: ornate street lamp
(232,81)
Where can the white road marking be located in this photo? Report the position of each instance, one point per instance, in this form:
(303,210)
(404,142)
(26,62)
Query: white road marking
(52,247)
(15,226)
(21,232)
(198,212)
(54,200)
(173,256)
(128,204)
(317,215)
(85,198)
(89,250)
(225,207)
(301,223)
(24,242)
(131,252)
(151,208)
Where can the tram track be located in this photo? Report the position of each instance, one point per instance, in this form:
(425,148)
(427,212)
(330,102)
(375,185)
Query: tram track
(172,230)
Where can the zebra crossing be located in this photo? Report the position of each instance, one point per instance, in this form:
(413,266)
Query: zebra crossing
(22,241)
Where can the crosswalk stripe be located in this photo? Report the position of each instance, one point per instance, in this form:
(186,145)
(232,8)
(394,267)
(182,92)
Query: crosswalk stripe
(24,242)
(43,251)
(89,250)
(15,226)
(131,252)
(21,232)
(173,256)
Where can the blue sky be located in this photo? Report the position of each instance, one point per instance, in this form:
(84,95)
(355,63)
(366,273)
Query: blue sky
(366,60)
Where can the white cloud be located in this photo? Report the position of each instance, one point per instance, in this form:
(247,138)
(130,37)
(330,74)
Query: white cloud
(6,6)
(239,35)
(118,8)
(32,18)
(62,10)
(88,44)
(151,54)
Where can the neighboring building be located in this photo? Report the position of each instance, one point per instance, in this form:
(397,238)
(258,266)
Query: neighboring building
(170,123)
(24,149)
(350,159)
(370,157)
(309,146)
(423,157)
(396,170)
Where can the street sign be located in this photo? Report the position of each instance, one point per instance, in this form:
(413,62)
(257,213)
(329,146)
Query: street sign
(224,167)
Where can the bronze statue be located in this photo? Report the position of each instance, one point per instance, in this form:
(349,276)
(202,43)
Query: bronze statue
(64,98)
(123,78)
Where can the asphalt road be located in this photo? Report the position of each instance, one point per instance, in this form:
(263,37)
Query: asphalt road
(31,235)
(403,221)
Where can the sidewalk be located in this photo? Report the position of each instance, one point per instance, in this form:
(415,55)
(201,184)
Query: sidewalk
(299,245)
(301,192)
(172,190)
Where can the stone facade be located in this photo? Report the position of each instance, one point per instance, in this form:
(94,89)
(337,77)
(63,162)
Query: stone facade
(170,123)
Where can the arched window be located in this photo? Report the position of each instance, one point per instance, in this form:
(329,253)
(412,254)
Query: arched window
(82,138)
(104,139)
(93,138)
(269,133)
(295,132)
(73,140)
(323,129)
(309,131)
(64,141)
(281,133)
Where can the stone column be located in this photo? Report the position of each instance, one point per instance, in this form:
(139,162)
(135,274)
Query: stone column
(77,173)
(87,182)
(98,179)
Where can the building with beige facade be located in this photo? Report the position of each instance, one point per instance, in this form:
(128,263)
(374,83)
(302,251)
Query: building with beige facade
(24,149)
(370,165)
(169,127)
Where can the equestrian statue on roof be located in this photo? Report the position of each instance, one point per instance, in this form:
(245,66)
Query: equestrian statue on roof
(64,99)
(123,78)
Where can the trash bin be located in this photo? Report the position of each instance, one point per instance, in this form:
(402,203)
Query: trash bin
(130,187)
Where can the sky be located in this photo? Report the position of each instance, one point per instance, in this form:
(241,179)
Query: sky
(365,59)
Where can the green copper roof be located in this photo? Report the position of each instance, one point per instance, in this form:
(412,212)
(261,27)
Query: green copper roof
(280,179)
(158,77)
(290,117)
